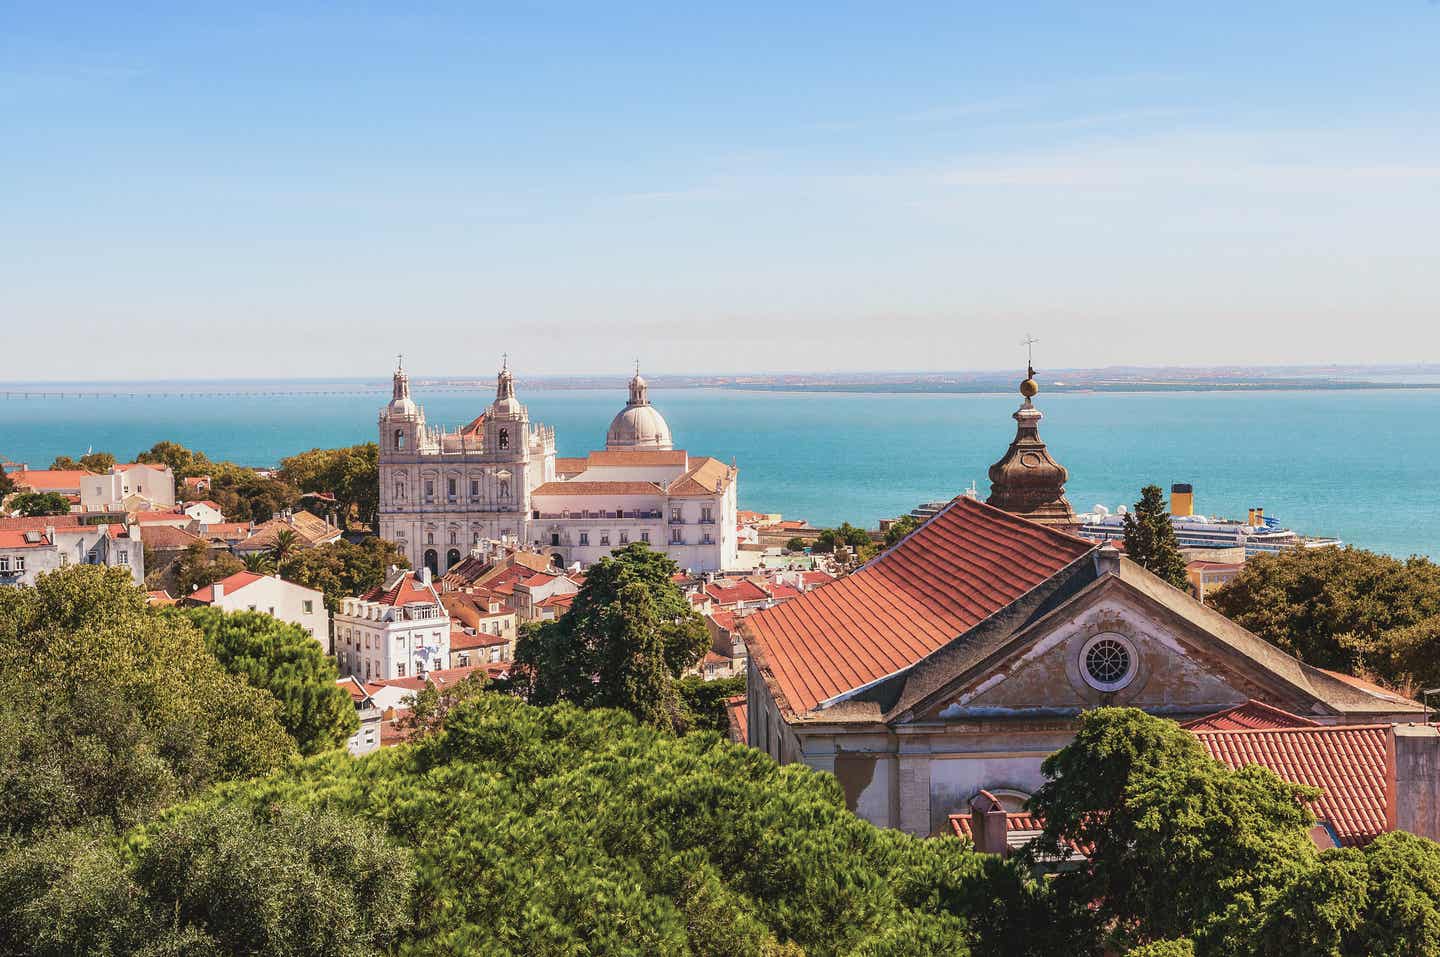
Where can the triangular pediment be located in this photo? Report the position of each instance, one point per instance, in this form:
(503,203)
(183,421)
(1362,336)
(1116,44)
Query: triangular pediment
(1111,644)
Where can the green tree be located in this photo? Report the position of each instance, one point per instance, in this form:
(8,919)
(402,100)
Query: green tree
(111,711)
(703,702)
(343,569)
(796,544)
(1343,608)
(351,474)
(7,484)
(285,543)
(1150,538)
(847,535)
(899,528)
(64,463)
(629,634)
(283,659)
(261,563)
(433,705)
(1173,836)
(185,463)
(36,504)
(277,880)
(198,567)
(97,462)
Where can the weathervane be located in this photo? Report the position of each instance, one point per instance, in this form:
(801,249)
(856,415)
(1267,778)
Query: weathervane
(1029,343)
(637,366)
(400,361)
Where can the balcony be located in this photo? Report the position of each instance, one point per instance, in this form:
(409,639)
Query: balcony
(676,521)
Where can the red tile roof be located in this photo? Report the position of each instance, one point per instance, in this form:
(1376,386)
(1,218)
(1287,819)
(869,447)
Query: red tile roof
(816,578)
(161,517)
(961,824)
(1251,716)
(1346,762)
(464,641)
(439,678)
(23,538)
(558,601)
(168,537)
(739,714)
(40,522)
(232,584)
(406,591)
(598,488)
(636,458)
(725,619)
(743,590)
(160,598)
(706,476)
(569,466)
(966,563)
(50,480)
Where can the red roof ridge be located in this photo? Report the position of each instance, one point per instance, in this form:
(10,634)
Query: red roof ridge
(1299,729)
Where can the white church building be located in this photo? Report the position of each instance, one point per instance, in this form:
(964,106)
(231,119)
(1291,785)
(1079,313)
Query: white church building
(442,492)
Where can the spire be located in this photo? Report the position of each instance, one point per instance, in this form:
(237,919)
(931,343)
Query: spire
(639,389)
(1027,481)
(400,387)
(505,381)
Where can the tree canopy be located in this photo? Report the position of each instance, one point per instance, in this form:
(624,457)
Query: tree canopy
(1150,538)
(283,659)
(629,635)
(342,568)
(111,711)
(899,528)
(201,564)
(35,504)
(1344,608)
(351,474)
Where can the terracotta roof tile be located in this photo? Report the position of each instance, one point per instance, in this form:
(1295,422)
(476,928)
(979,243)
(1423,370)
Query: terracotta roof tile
(636,458)
(40,522)
(50,480)
(1251,716)
(706,476)
(232,584)
(23,538)
(961,566)
(405,591)
(597,488)
(1346,762)
(569,466)
(741,591)
(167,537)
(739,715)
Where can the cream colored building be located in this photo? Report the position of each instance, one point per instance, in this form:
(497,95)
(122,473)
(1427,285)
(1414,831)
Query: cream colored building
(129,486)
(287,601)
(398,630)
(444,492)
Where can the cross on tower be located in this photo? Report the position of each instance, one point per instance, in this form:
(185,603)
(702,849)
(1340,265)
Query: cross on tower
(637,366)
(399,361)
(504,361)
(1029,343)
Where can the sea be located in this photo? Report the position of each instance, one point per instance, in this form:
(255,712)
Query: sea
(1360,465)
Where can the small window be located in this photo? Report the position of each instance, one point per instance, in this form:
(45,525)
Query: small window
(399,491)
(624,538)
(474,488)
(400,670)
(604,538)
(584,538)
(504,438)
(675,515)
(429,489)
(399,439)
(308,605)
(645,537)
(675,536)
(450,489)
(4,563)
(124,557)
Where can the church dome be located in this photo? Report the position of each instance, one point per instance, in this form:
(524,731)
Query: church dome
(639,425)
(400,401)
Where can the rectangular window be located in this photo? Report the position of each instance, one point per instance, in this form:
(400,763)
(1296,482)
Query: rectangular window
(400,671)
(64,559)
(706,515)
(674,514)
(604,538)
(124,557)
(308,605)
(645,537)
(474,488)
(624,538)
(584,538)
(450,489)
(4,563)
(675,538)
(429,489)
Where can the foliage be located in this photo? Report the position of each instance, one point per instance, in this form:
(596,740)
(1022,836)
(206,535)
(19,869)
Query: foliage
(283,659)
(899,528)
(1343,608)
(7,484)
(39,503)
(109,710)
(64,463)
(258,562)
(285,543)
(184,462)
(703,702)
(351,474)
(550,831)
(343,569)
(201,565)
(847,535)
(243,494)
(629,634)
(432,705)
(1150,538)
(1179,843)
(97,462)
(1164,948)
(796,544)
(281,880)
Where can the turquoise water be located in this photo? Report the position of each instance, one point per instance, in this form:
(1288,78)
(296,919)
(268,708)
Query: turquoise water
(1358,465)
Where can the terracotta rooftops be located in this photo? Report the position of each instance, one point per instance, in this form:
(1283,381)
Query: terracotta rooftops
(1347,763)
(741,591)
(614,458)
(50,480)
(568,465)
(963,565)
(231,585)
(1251,716)
(41,522)
(706,476)
(739,715)
(404,590)
(598,488)
(168,537)
(21,538)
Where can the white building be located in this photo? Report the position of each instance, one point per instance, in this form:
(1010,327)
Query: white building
(129,486)
(29,546)
(398,630)
(443,492)
(287,601)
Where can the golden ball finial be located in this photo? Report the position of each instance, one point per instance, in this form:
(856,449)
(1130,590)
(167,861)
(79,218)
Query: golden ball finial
(1029,388)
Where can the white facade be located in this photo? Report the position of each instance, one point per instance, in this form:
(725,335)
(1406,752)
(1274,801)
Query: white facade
(287,601)
(123,485)
(206,513)
(399,630)
(115,546)
(443,492)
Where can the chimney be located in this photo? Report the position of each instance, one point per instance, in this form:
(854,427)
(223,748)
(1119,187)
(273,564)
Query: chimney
(1250,516)
(218,591)
(424,574)
(1412,770)
(988,825)
(1182,499)
(1259,516)
(1107,560)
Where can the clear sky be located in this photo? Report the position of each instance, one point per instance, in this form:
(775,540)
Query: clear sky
(306,189)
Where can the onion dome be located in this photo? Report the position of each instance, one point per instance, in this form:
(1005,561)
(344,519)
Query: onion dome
(1027,481)
(639,425)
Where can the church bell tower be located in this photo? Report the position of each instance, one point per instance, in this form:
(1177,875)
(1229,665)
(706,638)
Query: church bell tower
(1027,481)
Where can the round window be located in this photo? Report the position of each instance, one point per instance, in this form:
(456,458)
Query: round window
(1108,662)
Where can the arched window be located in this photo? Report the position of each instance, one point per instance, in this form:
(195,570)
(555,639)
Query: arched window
(399,491)
(504,488)
(432,561)
(452,558)
(504,438)
(429,538)
(399,439)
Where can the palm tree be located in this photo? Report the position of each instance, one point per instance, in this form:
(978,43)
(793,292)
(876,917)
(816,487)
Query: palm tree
(259,562)
(285,544)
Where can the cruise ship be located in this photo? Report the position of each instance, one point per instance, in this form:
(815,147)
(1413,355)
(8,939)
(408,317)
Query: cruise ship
(1258,534)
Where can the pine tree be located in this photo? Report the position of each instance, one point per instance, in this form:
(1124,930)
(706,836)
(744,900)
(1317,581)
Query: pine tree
(1150,538)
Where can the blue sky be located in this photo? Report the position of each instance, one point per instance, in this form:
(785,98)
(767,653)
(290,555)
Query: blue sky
(307,189)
